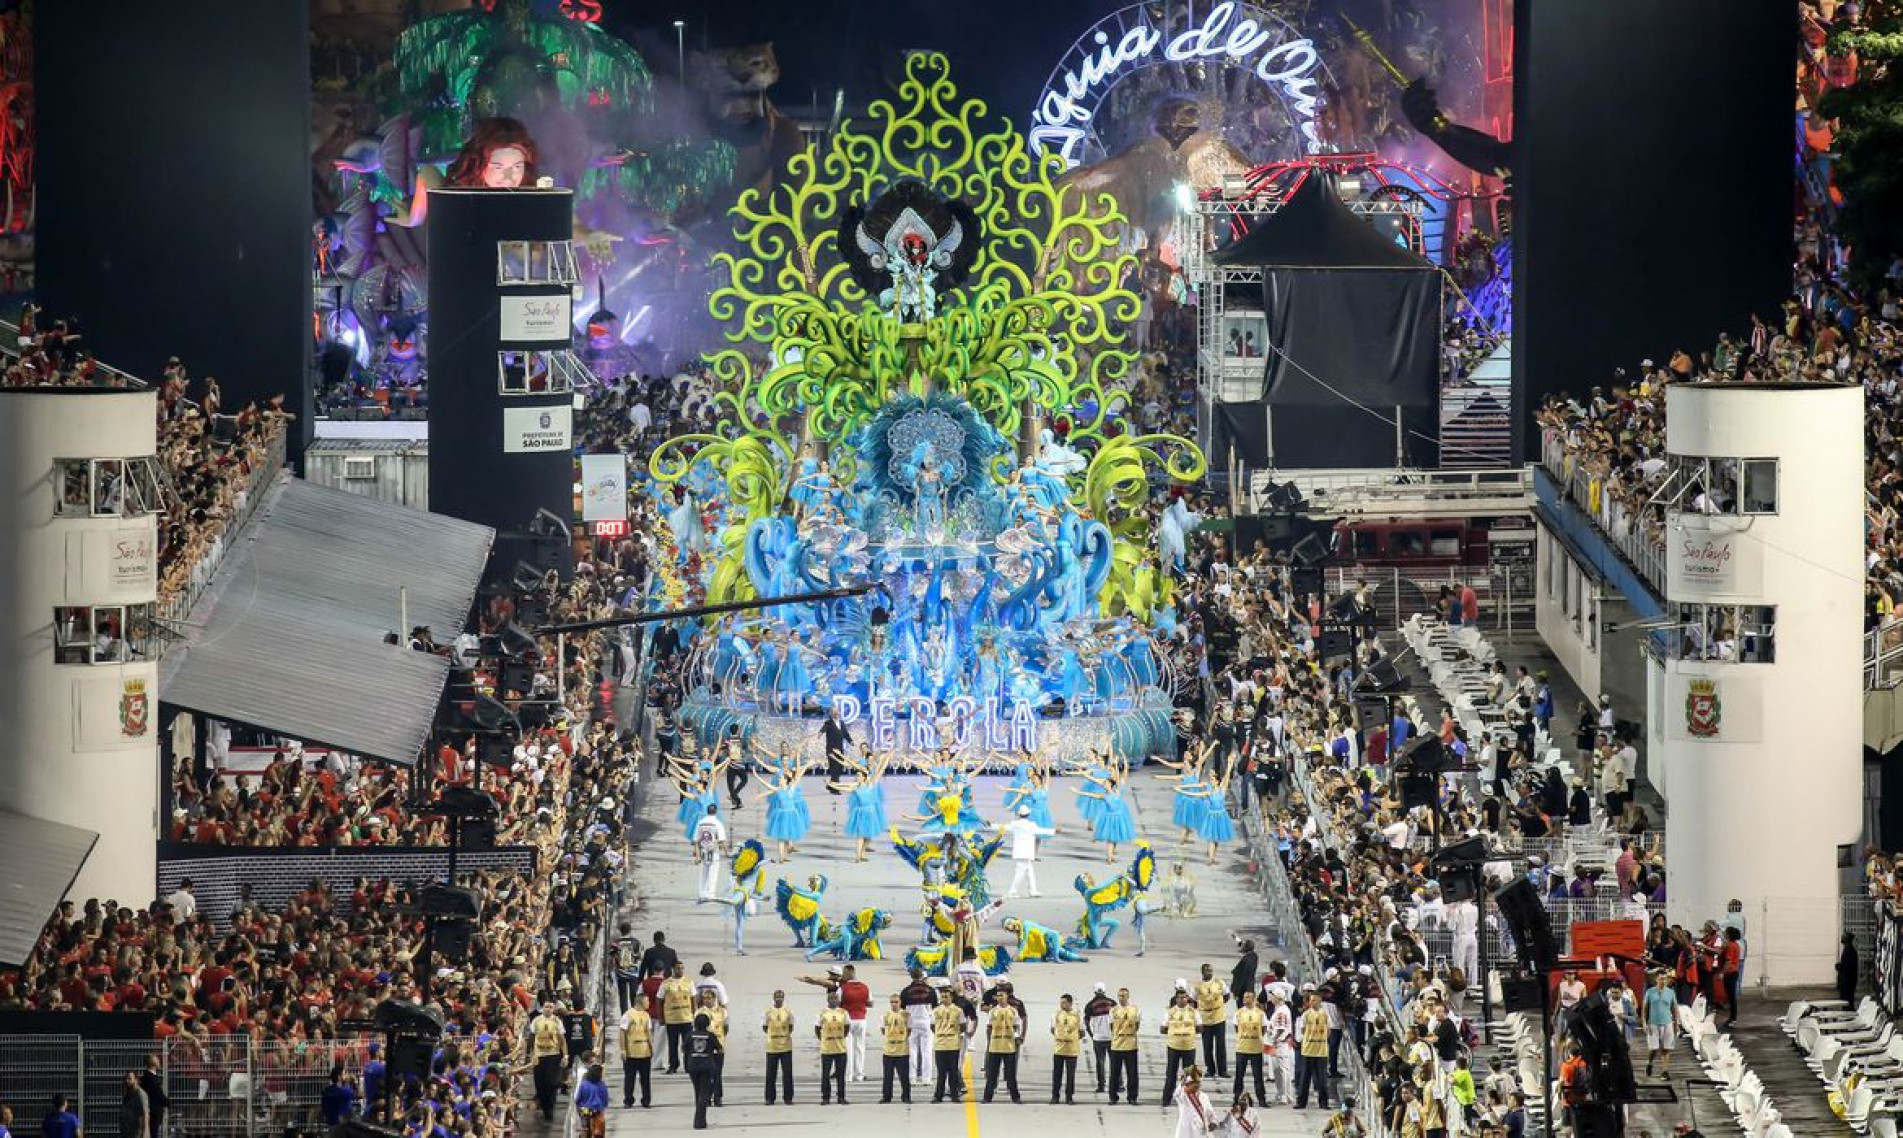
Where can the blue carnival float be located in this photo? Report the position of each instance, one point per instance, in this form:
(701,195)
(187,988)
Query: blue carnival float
(935,309)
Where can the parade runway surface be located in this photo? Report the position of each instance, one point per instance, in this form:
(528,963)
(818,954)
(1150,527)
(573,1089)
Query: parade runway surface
(664,876)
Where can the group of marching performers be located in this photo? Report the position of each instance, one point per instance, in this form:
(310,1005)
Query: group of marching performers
(951,850)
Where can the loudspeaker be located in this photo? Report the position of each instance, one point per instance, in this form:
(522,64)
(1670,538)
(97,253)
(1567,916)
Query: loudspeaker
(1528,923)
(1372,711)
(454,901)
(1273,530)
(467,802)
(409,1058)
(517,677)
(1382,677)
(1345,607)
(1467,851)
(1596,1120)
(479,834)
(1418,789)
(1458,883)
(1336,641)
(402,1017)
(1426,755)
(495,750)
(1306,580)
(1520,994)
(449,940)
(1309,551)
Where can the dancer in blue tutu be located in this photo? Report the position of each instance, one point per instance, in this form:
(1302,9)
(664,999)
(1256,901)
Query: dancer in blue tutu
(787,818)
(1186,811)
(1216,826)
(1093,772)
(1116,824)
(698,784)
(1034,795)
(865,805)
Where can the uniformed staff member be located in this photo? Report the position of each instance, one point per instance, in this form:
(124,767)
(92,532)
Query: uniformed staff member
(703,1049)
(1179,1039)
(1125,1020)
(547,1045)
(677,1013)
(1067,1034)
(1251,1025)
(831,1030)
(778,1028)
(948,1045)
(1212,1011)
(1002,1053)
(709,1005)
(637,1053)
(897,1028)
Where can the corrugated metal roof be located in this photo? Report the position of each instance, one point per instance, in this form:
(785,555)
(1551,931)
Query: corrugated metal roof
(290,635)
(38,862)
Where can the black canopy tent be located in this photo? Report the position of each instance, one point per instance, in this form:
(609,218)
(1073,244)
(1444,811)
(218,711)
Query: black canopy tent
(1353,342)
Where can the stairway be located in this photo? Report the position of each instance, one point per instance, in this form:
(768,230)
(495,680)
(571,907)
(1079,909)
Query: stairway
(1476,415)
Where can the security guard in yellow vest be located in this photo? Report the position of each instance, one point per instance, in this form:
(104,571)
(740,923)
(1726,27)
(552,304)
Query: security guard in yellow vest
(1067,1034)
(832,1029)
(1125,1020)
(1251,1024)
(1002,1053)
(897,1029)
(637,1053)
(948,1046)
(677,1012)
(547,1046)
(778,1028)
(1179,1039)
(1212,1012)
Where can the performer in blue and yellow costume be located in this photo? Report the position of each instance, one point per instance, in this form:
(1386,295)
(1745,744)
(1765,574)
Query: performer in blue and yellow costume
(1096,926)
(962,862)
(953,913)
(799,908)
(1041,943)
(855,938)
(749,882)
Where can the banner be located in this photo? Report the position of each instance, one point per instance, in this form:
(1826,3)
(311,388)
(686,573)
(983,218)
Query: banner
(536,430)
(119,564)
(604,487)
(1712,557)
(540,319)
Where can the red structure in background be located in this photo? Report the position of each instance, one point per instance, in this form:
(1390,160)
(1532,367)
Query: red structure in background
(16,121)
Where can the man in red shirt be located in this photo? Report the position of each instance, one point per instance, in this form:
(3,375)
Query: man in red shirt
(856,999)
(1730,967)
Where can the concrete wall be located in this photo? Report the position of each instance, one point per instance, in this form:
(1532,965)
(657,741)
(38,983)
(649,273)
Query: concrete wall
(1762,762)
(81,739)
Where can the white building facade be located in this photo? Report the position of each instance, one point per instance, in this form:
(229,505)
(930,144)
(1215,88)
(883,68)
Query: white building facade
(1754,689)
(80,495)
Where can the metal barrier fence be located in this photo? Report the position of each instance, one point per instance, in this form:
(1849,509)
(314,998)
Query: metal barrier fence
(277,876)
(178,607)
(227,1088)
(1628,534)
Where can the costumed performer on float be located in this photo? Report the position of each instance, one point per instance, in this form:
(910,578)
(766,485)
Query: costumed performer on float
(499,154)
(855,938)
(1040,943)
(749,884)
(799,907)
(865,804)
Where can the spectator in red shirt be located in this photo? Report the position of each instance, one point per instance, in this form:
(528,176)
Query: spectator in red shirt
(856,999)
(1730,965)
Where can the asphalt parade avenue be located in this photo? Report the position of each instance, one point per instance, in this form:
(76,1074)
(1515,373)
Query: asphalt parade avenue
(665,879)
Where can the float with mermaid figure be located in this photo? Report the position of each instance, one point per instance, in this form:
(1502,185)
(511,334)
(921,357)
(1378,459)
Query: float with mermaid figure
(936,422)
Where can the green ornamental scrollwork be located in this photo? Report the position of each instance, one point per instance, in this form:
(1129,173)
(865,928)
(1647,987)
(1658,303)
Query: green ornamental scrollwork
(1036,327)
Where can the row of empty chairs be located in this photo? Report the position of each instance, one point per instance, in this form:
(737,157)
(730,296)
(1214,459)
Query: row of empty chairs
(1739,1088)
(1858,1055)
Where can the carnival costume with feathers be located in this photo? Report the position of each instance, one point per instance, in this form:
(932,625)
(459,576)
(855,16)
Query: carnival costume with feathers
(855,938)
(1096,927)
(799,907)
(963,864)
(907,246)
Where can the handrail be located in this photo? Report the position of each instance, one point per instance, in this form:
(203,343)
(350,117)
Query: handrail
(178,607)
(1641,550)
